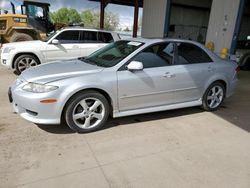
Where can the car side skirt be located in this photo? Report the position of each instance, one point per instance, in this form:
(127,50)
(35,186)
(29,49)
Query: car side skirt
(157,108)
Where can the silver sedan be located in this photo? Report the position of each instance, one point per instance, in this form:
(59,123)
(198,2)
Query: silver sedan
(124,78)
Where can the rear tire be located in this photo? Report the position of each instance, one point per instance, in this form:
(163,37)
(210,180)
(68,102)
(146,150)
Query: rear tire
(213,97)
(86,111)
(18,37)
(24,62)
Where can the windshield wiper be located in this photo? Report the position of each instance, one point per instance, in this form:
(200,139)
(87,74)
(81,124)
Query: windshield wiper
(87,61)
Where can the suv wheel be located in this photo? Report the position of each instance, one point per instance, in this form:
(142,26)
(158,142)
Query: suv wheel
(87,111)
(24,62)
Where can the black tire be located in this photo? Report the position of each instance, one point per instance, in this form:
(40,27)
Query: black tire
(206,105)
(73,105)
(18,37)
(25,60)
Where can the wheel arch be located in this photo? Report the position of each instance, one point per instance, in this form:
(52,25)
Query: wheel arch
(220,79)
(23,53)
(101,91)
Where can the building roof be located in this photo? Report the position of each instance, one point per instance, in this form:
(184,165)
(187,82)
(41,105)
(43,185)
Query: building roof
(123,2)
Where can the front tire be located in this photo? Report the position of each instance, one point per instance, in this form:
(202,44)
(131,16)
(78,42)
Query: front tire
(213,97)
(86,111)
(18,37)
(24,62)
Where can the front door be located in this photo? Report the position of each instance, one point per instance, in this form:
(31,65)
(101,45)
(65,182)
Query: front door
(68,47)
(152,86)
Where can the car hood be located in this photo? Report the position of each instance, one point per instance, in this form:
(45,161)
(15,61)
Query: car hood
(59,70)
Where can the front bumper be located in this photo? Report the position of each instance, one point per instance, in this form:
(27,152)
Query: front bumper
(28,105)
(6,59)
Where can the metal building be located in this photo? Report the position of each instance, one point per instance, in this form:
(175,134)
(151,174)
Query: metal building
(226,23)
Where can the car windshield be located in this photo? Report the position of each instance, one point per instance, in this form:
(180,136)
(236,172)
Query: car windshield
(113,53)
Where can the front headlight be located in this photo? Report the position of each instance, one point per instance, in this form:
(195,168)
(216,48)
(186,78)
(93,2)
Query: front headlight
(38,88)
(8,49)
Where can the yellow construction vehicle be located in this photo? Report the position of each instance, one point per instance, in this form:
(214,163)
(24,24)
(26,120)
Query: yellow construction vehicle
(33,23)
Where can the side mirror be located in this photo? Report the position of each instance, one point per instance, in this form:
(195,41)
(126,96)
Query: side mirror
(55,42)
(135,65)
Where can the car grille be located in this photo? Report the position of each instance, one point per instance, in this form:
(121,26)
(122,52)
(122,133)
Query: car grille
(3,24)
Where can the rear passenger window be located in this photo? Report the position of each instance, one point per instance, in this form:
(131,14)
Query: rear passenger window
(67,37)
(189,54)
(105,37)
(89,37)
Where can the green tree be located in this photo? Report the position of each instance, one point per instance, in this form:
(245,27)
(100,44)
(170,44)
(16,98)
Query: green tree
(66,16)
(111,21)
(92,19)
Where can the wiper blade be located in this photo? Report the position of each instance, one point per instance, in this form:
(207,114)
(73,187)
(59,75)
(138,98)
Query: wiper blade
(88,61)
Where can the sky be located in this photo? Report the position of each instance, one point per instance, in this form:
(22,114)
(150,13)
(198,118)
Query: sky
(125,13)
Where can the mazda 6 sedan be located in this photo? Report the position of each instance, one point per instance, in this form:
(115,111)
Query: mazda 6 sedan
(124,78)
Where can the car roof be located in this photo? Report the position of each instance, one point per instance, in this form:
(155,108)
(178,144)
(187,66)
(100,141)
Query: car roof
(84,29)
(152,41)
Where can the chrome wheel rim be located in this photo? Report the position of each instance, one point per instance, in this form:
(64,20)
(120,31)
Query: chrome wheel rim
(215,96)
(88,113)
(26,63)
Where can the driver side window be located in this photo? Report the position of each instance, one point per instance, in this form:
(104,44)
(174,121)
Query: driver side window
(157,55)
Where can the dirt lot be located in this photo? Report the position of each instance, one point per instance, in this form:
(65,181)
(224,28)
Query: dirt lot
(179,148)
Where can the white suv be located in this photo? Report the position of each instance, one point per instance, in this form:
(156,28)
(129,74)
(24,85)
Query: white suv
(64,44)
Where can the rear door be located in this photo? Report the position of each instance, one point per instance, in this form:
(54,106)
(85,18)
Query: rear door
(67,48)
(192,68)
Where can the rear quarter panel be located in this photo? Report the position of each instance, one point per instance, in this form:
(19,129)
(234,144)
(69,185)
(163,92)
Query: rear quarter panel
(225,71)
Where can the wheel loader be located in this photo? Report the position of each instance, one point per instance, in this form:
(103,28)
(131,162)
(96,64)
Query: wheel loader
(33,23)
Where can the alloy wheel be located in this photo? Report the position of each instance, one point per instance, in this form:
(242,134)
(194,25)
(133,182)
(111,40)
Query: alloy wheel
(88,113)
(26,63)
(215,96)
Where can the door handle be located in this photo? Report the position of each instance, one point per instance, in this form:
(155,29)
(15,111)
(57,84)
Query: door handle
(168,75)
(75,46)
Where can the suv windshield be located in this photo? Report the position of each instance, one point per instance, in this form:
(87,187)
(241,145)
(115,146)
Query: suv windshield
(113,53)
(50,35)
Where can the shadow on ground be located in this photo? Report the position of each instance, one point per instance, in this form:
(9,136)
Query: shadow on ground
(63,128)
(237,108)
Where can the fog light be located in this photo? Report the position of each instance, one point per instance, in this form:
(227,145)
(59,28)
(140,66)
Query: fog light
(4,61)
